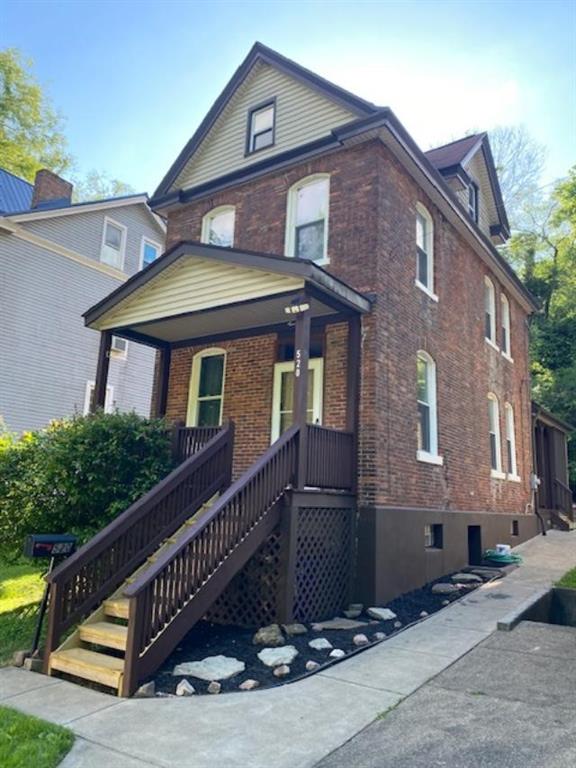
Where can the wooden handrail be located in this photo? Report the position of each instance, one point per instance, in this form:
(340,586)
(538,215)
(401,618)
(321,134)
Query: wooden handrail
(80,583)
(330,458)
(563,498)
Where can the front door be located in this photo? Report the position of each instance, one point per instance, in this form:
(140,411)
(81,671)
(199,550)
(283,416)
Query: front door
(283,395)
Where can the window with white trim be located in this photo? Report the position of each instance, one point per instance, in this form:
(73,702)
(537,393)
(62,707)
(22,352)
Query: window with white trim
(113,243)
(261,127)
(119,348)
(149,252)
(494,435)
(427,426)
(218,226)
(206,394)
(424,249)
(505,325)
(489,311)
(511,465)
(473,201)
(307,219)
(89,398)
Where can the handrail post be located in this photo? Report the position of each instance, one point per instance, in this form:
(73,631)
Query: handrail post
(133,644)
(53,631)
(354,362)
(230,452)
(175,440)
(300,405)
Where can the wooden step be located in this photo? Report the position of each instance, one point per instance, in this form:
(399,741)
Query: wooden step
(106,634)
(117,607)
(106,670)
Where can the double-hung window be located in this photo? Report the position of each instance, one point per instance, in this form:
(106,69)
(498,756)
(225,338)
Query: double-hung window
(427,427)
(113,243)
(494,436)
(473,201)
(261,126)
(505,320)
(206,395)
(150,252)
(218,226)
(307,220)
(424,250)
(489,311)
(511,465)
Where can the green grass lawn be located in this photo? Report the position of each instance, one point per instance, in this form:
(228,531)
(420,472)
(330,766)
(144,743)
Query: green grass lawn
(27,742)
(568,580)
(21,587)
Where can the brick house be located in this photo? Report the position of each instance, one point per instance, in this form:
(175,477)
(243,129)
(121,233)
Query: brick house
(337,295)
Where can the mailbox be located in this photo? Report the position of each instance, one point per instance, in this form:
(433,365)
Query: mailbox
(49,545)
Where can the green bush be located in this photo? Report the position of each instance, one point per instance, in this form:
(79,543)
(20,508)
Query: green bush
(78,474)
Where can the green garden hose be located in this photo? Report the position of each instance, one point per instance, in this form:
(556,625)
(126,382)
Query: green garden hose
(500,559)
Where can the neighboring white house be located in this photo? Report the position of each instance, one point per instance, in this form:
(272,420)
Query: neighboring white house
(57,258)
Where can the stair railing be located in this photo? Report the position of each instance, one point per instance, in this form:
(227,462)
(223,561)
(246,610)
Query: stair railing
(91,574)
(202,561)
(562,496)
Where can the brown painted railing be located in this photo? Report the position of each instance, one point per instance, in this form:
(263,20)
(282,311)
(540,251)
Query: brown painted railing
(330,458)
(186,441)
(89,576)
(175,592)
(562,496)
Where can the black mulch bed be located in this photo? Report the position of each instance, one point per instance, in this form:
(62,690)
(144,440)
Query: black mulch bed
(208,639)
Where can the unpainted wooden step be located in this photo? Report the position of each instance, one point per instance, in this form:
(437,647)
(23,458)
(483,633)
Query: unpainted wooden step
(89,665)
(106,634)
(117,607)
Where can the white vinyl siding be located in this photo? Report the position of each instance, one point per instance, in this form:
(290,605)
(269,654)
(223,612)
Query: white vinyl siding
(302,115)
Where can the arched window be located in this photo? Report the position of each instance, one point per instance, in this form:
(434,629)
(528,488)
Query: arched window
(505,320)
(427,418)
(511,465)
(307,219)
(489,311)
(206,393)
(218,226)
(424,250)
(494,435)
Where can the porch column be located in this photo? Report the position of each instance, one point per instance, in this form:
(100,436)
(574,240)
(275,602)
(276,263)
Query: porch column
(164,357)
(101,379)
(353,365)
(301,355)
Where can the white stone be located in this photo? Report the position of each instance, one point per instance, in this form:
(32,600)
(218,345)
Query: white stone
(379,635)
(337,653)
(423,614)
(281,671)
(184,688)
(352,613)
(338,624)
(270,636)
(274,657)
(445,602)
(249,685)
(467,578)
(320,644)
(397,624)
(360,640)
(311,666)
(211,668)
(294,629)
(382,614)
(146,691)
(214,687)
(444,588)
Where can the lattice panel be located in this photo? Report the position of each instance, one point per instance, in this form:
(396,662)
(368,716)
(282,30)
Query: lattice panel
(250,600)
(324,560)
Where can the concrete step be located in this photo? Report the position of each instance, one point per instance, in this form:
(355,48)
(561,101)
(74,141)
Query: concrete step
(89,665)
(106,634)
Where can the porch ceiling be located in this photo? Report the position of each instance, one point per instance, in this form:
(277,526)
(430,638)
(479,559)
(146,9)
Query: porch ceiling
(197,291)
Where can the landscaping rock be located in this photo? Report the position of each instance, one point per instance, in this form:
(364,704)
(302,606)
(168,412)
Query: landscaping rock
(397,624)
(211,668)
(311,666)
(320,644)
(360,640)
(249,685)
(337,653)
(294,629)
(445,589)
(281,671)
(275,657)
(423,614)
(486,573)
(382,614)
(338,623)
(19,658)
(445,602)
(146,691)
(356,607)
(33,664)
(352,614)
(270,636)
(466,578)
(184,688)
(379,635)
(214,687)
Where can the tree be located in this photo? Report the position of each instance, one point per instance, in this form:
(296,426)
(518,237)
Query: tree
(96,185)
(31,135)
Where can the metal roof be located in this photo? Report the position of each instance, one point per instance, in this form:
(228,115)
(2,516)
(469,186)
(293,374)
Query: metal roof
(15,193)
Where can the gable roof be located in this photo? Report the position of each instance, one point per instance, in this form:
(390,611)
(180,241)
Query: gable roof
(15,193)
(454,153)
(261,53)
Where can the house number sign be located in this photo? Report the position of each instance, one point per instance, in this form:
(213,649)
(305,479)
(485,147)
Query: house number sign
(298,357)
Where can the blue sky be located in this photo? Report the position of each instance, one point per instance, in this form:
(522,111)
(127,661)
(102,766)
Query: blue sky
(134,78)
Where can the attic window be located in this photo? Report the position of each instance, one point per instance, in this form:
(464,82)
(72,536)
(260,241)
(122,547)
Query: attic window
(261,121)
(473,201)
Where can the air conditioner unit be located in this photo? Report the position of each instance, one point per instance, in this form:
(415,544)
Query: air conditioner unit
(119,347)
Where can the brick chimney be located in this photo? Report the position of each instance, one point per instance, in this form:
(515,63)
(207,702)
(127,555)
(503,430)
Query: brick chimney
(50,188)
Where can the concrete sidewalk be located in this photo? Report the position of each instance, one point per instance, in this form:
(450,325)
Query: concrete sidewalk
(294,726)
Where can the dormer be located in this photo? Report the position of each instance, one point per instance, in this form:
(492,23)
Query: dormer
(468,168)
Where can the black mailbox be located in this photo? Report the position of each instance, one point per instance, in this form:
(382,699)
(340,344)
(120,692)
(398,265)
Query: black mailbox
(49,545)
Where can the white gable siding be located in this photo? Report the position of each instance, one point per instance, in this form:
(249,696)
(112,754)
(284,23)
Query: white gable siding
(302,116)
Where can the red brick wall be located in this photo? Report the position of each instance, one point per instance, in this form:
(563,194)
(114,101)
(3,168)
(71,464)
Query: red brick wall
(372,247)
(49,186)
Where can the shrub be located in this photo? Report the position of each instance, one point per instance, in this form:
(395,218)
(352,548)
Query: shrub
(78,474)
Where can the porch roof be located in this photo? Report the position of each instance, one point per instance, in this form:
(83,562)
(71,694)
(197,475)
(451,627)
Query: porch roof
(197,291)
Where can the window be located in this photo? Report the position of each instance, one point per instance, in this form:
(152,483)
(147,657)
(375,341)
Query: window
(473,201)
(424,250)
(505,319)
(433,536)
(307,220)
(218,226)
(206,395)
(261,127)
(494,436)
(511,466)
(514,528)
(89,398)
(119,348)
(489,311)
(149,252)
(427,422)
(113,243)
